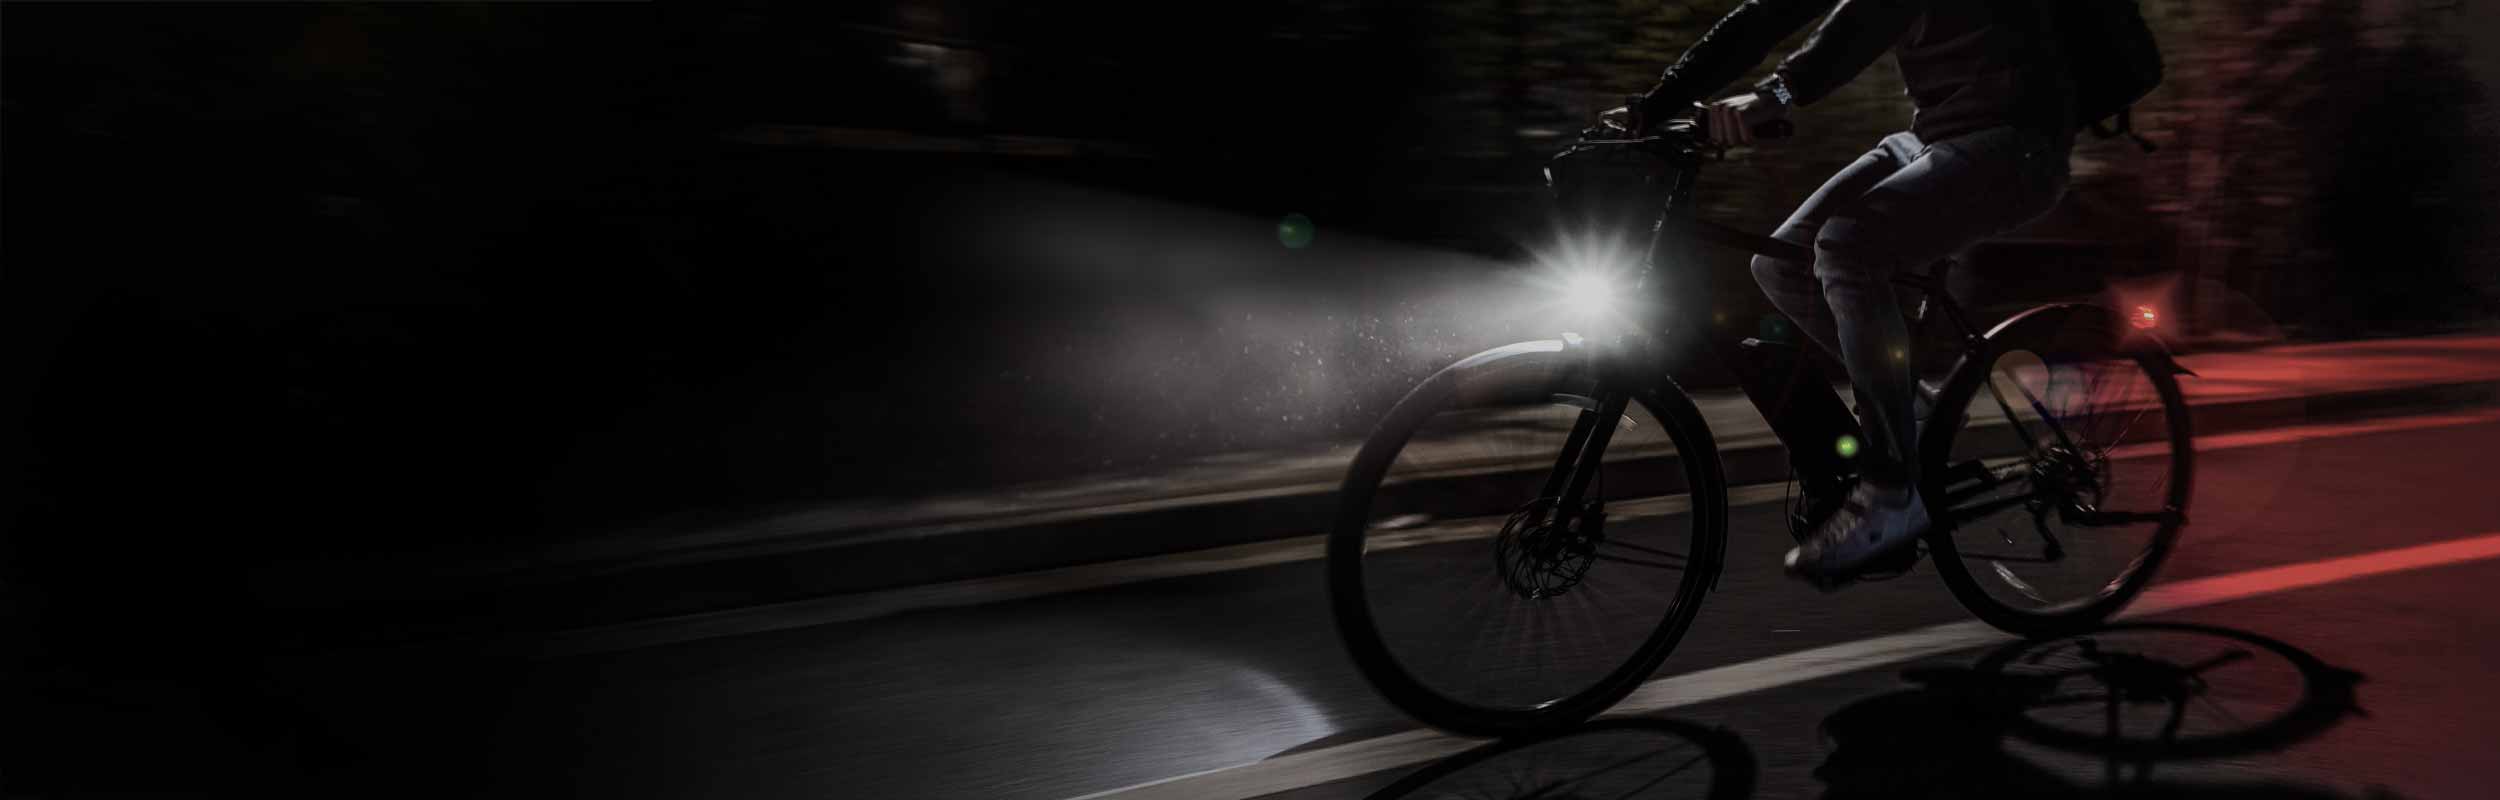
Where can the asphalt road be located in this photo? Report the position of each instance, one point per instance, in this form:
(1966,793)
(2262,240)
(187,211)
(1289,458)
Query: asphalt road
(2349,685)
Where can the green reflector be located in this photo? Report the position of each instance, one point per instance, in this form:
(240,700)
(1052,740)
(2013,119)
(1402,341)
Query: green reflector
(1295,231)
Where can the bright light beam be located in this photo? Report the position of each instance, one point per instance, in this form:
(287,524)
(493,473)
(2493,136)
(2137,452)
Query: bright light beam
(1587,275)
(1589,294)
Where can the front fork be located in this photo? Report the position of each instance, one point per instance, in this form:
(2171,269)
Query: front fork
(1583,454)
(1584,451)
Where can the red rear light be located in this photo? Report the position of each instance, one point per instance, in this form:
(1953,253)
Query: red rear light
(2145,317)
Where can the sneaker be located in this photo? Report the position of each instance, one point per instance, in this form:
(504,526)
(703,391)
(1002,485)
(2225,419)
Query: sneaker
(1870,525)
(1816,500)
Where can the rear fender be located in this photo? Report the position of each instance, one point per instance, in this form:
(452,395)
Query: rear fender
(2058,315)
(1936,439)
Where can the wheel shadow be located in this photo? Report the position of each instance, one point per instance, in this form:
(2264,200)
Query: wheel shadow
(1616,758)
(2132,699)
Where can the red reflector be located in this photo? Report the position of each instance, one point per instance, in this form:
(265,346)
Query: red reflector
(2145,317)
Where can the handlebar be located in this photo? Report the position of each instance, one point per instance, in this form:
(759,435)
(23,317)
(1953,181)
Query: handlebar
(1605,155)
(1772,130)
(1683,135)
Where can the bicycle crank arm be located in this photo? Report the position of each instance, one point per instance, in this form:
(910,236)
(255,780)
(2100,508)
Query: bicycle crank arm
(1962,515)
(2086,518)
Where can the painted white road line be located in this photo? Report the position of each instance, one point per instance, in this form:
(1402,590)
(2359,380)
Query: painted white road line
(983,591)
(1352,759)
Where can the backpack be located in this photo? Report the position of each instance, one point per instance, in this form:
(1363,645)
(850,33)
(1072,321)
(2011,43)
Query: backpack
(2114,60)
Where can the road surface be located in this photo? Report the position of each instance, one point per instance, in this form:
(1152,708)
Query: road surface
(2364,671)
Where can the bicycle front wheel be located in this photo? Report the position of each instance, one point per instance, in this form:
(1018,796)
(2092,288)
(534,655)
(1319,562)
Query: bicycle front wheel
(1469,598)
(2058,469)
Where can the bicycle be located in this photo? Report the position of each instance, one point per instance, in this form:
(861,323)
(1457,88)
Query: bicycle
(1548,492)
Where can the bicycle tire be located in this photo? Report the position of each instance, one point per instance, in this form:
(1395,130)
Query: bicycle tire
(1530,369)
(2058,334)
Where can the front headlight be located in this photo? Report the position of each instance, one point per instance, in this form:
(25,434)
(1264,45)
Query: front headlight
(1588,278)
(1589,293)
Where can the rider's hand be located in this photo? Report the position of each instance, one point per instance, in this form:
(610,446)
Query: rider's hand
(1732,120)
(1623,121)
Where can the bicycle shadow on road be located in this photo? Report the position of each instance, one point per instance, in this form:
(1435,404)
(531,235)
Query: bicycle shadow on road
(2128,698)
(1625,757)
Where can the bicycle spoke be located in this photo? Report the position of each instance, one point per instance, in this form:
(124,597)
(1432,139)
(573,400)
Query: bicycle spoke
(1679,769)
(1600,599)
(2100,375)
(1533,620)
(1498,631)
(2076,407)
(1638,563)
(1593,628)
(1600,771)
(2119,437)
(1489,595)
(1637,548)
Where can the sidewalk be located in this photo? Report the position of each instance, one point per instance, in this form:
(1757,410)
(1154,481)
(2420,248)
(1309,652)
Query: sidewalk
(829,549)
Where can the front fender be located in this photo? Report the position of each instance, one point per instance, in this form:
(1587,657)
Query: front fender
(1507,351)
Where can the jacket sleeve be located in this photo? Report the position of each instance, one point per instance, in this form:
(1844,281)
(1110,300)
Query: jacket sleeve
(1849,40)
(1856,34)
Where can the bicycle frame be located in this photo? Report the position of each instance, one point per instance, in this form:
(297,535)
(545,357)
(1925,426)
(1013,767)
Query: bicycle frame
(1805,420)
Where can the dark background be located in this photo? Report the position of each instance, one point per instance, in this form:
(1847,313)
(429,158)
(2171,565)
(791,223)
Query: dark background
(351,283)
(578,264)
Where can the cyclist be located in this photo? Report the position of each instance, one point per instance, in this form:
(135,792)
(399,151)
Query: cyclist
(1986,151)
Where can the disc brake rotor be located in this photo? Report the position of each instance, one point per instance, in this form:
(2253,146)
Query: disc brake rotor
(1538,556)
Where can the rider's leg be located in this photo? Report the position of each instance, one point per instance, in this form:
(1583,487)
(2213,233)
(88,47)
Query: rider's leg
(1936,201)
(1802,294)
(1791,285)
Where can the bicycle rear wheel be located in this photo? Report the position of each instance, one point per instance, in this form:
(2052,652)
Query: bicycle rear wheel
(2058,468)
(1461,595)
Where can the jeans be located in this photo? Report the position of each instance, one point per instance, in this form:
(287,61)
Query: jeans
(1903,205)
